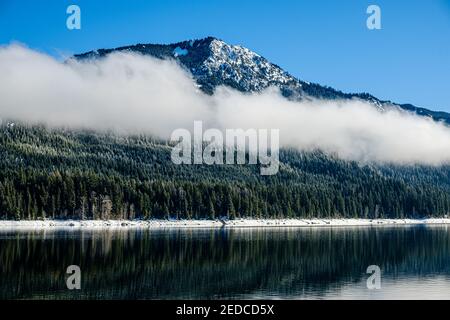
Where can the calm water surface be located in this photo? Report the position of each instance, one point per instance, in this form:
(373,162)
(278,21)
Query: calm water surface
(286,263)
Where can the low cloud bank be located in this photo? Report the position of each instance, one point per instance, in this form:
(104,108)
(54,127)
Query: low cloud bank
(136,94)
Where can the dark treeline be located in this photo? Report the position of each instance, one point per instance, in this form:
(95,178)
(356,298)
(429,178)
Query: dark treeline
(85,175)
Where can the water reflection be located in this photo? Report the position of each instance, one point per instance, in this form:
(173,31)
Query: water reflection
(240,263)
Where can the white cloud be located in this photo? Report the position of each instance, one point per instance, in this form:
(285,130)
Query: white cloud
(124,92)
(132,93)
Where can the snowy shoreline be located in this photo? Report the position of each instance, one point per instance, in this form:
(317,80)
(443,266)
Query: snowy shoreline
(238,223)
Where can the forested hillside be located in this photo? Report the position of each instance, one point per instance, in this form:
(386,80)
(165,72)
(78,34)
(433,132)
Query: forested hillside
(48,173)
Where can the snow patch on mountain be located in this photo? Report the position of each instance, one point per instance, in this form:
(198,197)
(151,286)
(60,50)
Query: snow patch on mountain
(179,52)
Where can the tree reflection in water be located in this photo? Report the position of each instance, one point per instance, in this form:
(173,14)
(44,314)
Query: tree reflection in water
(219,263)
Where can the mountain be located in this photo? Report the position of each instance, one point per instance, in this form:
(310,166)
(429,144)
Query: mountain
(81,174)
(212,62)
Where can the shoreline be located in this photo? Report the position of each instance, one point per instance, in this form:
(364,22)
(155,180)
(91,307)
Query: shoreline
(196,224)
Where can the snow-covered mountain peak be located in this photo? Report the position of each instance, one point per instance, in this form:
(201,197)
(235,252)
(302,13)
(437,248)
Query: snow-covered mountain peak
(213,63)
(244,68)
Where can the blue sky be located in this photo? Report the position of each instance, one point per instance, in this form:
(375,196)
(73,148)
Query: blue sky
(323,41)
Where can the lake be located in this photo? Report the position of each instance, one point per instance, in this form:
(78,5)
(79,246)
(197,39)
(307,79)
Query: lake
(241,263)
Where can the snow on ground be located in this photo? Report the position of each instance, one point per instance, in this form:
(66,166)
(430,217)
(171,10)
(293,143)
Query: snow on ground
(238,223)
